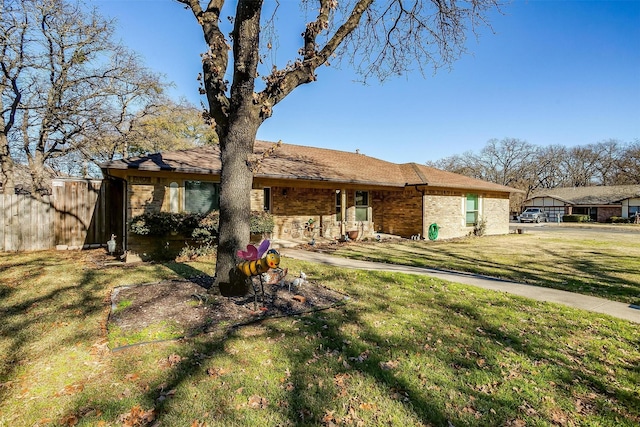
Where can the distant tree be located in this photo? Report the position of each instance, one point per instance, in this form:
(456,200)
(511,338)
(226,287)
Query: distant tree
(467,164)
(548,167)
(628,165)
(580,166)
(174,126)
(64,81)
(510,161)
(526,167)
(159,124)
(505,161)
(381,38)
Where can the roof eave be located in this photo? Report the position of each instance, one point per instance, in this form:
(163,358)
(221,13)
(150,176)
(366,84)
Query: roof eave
(467,187)
(329,180)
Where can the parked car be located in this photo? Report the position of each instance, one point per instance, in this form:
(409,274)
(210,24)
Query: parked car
(533,215)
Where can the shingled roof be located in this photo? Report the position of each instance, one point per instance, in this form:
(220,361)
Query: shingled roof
(590,196)
(298,162)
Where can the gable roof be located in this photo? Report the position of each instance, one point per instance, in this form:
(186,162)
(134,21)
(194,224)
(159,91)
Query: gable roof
(597,195)
(298,162)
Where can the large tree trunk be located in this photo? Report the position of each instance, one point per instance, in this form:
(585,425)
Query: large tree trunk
(40,185)
(238,135)
(6,166)
(236,181)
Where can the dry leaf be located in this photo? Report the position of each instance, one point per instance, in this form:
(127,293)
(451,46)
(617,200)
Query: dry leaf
(388,365)
(257,402)
(217,372)
(131,377)
(137,417)
(69,420)
(174,359)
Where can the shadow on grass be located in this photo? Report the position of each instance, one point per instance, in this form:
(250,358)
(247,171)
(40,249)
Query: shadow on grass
(435,352)
(52,304)
(599,274)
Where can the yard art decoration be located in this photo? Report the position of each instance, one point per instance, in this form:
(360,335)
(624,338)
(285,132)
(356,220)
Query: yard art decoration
(254,264)
(257,265)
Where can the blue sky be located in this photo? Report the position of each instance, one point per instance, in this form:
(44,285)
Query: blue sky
(553,72)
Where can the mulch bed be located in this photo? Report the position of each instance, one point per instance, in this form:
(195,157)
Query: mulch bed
(187,303)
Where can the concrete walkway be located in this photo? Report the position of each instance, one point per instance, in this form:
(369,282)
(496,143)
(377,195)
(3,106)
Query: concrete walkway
(584,302)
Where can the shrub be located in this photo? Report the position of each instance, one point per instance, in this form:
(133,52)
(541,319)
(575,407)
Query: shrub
(192,252)
(201,227)
(619,220)
(480,228)
(261,222)
(576,218)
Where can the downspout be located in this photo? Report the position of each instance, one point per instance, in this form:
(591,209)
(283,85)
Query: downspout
(424,183)
(422,213)
(343,212)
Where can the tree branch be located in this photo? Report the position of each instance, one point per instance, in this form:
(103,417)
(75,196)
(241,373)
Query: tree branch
(282,82)
(214,61)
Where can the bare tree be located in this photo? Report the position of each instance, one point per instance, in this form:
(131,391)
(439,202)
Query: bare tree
(467,164)
(580,166)
(64,83)
(158,124)
(380,38)
(628,165)
(12,41)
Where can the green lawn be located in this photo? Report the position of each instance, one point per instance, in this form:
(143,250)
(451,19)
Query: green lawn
(573,261)
(406,350)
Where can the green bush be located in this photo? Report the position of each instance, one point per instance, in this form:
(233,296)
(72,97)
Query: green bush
(202,227)
(576,218)
(198,226)
(619,220)
(192,252)
(261,222)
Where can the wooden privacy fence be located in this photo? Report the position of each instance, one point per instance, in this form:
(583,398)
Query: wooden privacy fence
(76,215)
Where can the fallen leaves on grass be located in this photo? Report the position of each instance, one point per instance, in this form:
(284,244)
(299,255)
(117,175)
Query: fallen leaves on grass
(217,372)
(137,417)
(389,365)
(70,390)
(257,402)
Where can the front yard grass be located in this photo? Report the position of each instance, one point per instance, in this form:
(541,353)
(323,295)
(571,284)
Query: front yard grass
(607,268)
(406,350)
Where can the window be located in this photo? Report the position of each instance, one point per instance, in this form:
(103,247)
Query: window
(633,210)
(472,209)
(201,196)
(338,206)
(362,206)
(174,206)
(266,199)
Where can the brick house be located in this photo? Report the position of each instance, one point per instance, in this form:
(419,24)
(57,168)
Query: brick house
(599,202)
(341,191)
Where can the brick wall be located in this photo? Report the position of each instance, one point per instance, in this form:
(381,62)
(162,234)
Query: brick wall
(293,207)
(147,194)
(394,212)
(445,208)
(604,213)
(495,212)
(398,212)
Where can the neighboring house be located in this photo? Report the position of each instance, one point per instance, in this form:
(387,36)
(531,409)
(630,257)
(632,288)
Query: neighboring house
(341,191)
(600,203)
